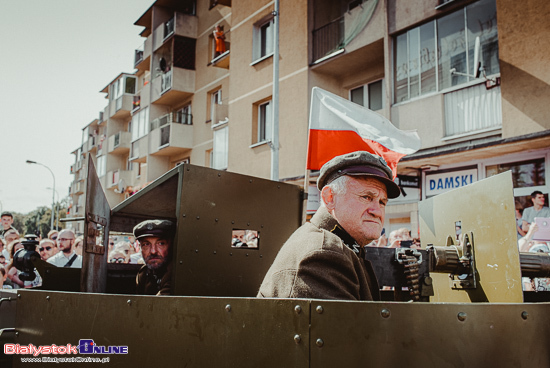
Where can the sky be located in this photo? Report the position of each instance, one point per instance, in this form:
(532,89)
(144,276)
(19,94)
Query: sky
(55,58)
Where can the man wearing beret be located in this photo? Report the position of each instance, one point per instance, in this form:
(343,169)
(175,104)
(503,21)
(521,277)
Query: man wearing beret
(324,259)
(155,238)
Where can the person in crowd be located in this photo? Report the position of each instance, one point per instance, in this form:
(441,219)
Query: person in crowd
(13,273)
(78,245)
(2,259)
(9,237)
(52,234)
(66,257)
(3,278)
(324,259)
(46,249)
(155,238)
(396,236)
(118,256)
(7,221)
(136,257)
(519,221)
(537,210)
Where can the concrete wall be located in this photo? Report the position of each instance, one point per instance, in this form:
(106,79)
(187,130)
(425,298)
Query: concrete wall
(524,47)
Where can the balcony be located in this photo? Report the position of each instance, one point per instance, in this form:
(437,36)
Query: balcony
(77,187)
(119,143)
(183,25)
(472,110)
(116,176)
(170,139)
(214,3)
(138,150)
(173,86)
(121,107)
(328,38)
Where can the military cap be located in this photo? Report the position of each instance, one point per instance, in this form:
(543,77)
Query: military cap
(358,163)
(157,228)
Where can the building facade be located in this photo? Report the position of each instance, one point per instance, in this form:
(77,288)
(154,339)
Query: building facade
(410,60)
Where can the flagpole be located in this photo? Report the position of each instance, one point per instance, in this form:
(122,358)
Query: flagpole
(275,97)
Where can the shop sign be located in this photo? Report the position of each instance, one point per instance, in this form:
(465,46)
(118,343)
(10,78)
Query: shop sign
(443,182)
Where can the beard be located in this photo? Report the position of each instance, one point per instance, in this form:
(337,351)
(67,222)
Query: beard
(158,262)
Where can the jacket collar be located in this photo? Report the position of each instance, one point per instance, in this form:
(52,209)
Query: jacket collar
(324,220)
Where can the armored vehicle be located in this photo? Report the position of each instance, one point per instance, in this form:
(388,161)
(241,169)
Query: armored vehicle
(456,302)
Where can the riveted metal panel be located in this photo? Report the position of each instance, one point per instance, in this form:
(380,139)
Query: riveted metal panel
(213,204)
(485,209)
(170,331)
(373,334)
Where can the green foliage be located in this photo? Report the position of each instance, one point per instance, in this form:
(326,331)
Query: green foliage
(39,220)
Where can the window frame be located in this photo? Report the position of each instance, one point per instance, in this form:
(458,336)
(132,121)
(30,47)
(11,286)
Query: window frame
(366,93)
(258,42)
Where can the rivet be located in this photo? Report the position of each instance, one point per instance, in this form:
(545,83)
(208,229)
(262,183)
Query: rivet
(214,252)
(228,307)
(462,316)
(385,313)
(216,220)
(219,174)
(232,221)
(231,253)
(16,333)
(298,309)
(248,224)
(19,296)
(261,256)
(183,215)
(181,262)
(319,343)
(198,217)
(319,309)
(297,339)
(196,250)
(524,314)
(48,298)
(129,302)
(250,181)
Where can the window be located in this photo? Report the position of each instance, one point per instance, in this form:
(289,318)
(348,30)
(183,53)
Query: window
(370,95)
(124,85)
(101,166)
(139,124)
(220,150)
(265,119)
(446,43)
(263,39)
(215,100)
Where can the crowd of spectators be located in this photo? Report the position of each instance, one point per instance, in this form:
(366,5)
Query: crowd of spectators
(62,248)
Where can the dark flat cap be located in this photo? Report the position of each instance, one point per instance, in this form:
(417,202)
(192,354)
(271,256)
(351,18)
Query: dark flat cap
(6,213)
(358,163)
(158,228)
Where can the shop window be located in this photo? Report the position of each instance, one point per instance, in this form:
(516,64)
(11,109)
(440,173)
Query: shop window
(369,95)
(525,174)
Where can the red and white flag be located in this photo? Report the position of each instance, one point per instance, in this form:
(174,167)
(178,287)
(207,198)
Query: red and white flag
(338,126)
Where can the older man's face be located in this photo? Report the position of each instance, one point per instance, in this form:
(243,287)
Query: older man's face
(361,209)
(46,250)
(155,251)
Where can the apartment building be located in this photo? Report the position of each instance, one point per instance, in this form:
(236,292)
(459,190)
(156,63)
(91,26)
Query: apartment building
(410,60)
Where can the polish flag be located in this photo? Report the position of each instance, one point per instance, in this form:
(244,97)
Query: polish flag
(338,126)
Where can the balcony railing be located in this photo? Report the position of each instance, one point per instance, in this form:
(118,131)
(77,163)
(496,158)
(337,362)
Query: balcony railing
(473,109)
(183,118)
(328,38)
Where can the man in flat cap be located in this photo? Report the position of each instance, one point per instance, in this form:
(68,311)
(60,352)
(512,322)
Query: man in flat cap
(155,238)
(324,259)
